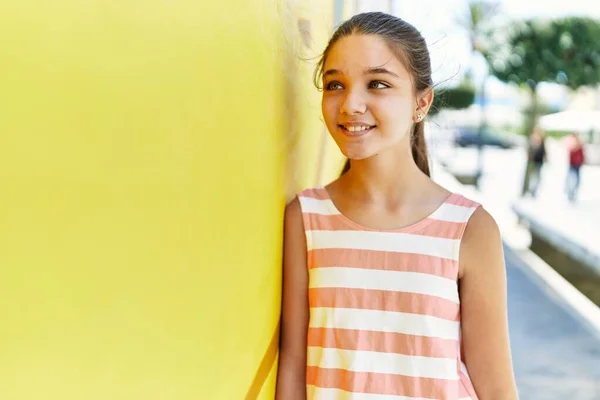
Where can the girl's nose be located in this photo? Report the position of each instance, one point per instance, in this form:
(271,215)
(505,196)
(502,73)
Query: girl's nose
(353,103)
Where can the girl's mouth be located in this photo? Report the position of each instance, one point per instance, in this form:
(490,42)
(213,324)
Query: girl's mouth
(359,130)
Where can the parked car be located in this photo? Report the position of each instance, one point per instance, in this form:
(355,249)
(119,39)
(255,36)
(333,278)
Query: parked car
(468,137)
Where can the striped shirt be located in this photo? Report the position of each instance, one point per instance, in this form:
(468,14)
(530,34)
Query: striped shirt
(384,305)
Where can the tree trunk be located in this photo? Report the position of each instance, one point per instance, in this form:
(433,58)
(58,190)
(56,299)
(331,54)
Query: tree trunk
(531,124)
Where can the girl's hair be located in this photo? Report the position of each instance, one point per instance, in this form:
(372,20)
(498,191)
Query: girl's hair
(406,42)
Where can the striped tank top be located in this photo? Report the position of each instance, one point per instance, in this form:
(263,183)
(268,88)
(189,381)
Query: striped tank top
(384,305)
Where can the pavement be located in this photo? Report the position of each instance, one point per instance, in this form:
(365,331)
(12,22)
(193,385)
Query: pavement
(555,357)
(554,329)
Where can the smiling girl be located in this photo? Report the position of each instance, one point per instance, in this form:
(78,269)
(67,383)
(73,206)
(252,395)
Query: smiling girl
(393,287)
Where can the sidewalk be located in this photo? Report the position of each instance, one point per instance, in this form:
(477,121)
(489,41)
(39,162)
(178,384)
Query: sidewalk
(554,356)
(554,329)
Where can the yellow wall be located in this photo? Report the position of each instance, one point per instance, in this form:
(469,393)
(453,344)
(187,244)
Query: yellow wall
(307,131)
(141,166)
(146,152)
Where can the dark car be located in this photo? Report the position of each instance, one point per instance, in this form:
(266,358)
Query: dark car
(469,137)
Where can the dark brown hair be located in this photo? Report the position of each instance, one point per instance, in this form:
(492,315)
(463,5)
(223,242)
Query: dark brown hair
(406,42)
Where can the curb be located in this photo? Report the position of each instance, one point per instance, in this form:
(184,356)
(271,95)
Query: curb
(561,241)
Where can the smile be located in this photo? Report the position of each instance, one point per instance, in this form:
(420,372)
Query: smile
(357,130)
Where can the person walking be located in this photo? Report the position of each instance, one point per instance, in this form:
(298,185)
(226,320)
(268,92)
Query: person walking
(538,157)
(576,160)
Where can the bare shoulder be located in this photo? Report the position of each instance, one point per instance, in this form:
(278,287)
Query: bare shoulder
(481,244)
(293,211)
(481,225)
(294,239)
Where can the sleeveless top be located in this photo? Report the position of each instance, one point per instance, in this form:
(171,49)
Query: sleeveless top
(384,305)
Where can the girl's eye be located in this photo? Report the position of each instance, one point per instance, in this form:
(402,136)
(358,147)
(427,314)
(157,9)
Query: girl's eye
(377,85)
(333,86)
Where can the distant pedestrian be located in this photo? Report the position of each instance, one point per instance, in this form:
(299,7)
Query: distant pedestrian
(537,147)
(576,160)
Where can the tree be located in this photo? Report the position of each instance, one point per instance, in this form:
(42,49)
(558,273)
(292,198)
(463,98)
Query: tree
(564,51)
(456,98)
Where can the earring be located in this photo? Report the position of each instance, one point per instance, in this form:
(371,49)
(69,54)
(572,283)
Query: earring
(419,117)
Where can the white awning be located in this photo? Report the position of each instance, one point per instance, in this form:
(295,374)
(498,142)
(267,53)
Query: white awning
(571,120)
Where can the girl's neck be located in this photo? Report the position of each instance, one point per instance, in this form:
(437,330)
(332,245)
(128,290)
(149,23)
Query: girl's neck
(376,179)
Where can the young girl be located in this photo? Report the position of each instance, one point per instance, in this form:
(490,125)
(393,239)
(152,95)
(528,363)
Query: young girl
(393,287)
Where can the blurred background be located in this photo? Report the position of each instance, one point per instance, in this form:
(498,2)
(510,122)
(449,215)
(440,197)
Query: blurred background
(147,150)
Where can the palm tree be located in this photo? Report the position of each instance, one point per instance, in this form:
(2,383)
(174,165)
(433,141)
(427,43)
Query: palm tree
(476,22)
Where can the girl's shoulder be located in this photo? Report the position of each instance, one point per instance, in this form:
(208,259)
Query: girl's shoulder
(317,192)
(459,199)
(314,200)
(481,245)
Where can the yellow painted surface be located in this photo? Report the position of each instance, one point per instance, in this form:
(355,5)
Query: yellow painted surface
(314,155)
(146,152)
(142,173)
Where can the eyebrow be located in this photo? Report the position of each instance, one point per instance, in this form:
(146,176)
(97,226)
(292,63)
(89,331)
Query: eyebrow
(380,70)
(368,71)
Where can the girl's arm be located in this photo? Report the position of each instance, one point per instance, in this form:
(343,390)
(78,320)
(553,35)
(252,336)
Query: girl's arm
(483,309)
(291,376)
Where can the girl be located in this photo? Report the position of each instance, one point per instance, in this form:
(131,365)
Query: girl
(393,287)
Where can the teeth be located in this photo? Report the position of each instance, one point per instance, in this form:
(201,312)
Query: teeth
(357,128)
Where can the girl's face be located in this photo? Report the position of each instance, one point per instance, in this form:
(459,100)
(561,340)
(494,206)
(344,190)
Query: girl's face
(368,103)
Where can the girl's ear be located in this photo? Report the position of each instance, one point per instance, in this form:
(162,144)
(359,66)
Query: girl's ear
(424,101)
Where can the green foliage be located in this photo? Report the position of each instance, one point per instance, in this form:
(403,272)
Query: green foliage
(456,98)
(565,51)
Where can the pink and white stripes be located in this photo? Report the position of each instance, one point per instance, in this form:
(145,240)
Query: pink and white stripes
(384,305)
